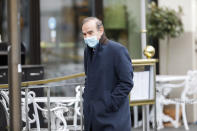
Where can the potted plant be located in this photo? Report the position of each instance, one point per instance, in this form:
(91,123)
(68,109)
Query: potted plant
(164,23)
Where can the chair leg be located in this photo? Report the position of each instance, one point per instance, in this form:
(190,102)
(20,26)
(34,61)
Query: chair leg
(54,122)
(159,110)
(184,117)
(59,115)
(135,111)
(177,115)
(37,116)
(75,114)
(152,116)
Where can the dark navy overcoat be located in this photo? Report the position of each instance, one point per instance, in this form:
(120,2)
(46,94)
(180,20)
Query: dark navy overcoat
(109,80)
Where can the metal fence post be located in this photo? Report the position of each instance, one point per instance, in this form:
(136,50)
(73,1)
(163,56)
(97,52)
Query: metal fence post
(14,70)
(155,117)
(48,108)
(26,109)
(144,117)
(147,117)
(81,107)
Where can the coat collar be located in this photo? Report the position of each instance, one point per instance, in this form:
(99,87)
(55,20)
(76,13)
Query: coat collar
(103,39)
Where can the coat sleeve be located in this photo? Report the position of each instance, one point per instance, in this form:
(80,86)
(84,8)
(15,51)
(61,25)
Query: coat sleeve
(124,73)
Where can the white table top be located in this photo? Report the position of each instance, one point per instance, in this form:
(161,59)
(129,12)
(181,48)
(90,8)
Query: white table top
(169,78)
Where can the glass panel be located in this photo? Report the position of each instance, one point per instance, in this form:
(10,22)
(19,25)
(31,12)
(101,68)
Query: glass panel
(122,23)
(61,43)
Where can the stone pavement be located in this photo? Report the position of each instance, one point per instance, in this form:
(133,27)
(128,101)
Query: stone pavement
(192,127)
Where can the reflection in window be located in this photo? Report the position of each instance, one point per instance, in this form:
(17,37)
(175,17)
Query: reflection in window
(61,40)
(122,23)
(61,43)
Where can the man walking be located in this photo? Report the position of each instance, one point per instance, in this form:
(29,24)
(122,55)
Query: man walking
(109,80)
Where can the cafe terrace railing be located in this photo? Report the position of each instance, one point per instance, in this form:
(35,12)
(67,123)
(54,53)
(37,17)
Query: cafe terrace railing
(57,107)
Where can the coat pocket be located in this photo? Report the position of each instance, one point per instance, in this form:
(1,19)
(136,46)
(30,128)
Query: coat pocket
(108,102)
(99,108)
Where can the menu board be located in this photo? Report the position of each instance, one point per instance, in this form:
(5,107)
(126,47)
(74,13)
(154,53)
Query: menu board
(143,88)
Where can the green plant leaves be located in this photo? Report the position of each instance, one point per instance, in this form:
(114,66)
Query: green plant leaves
(163,22)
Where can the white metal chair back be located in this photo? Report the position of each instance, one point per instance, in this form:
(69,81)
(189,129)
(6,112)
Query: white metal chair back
(190,85)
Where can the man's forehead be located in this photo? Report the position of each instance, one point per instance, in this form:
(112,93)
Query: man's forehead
(90,25)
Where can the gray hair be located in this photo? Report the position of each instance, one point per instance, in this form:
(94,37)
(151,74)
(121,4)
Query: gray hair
(99,23)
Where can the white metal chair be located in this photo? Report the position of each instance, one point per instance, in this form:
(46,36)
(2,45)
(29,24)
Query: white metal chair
(59,107)
(30,95)
(4,100)
(190,88)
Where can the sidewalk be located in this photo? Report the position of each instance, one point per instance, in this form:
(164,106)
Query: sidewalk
(192,127)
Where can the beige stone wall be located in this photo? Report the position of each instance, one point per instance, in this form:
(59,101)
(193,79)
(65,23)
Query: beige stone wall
(181,55)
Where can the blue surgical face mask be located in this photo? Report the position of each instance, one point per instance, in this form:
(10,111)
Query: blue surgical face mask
(91,41)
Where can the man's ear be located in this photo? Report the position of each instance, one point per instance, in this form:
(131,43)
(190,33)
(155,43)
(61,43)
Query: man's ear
(101,30)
